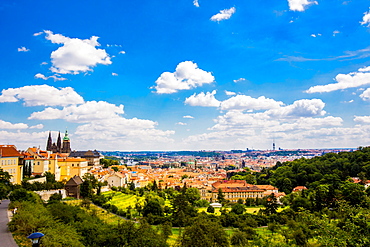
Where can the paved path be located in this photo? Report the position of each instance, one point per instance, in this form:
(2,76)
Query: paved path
(6,238)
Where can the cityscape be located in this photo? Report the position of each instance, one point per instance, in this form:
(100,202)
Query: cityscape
(174,189)
(188,123)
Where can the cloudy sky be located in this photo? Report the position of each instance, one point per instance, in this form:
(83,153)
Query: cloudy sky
(185,74)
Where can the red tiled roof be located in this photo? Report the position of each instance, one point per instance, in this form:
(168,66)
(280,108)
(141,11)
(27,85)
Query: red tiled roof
(9,151)
(300,188)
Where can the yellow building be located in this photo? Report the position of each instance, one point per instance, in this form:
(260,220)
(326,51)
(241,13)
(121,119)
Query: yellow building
(9,162)
(234,190)
(41,160)
(69,167)
(54,166)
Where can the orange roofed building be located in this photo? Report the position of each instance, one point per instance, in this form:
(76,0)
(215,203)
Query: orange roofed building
(233,190)
(70,167)
(236,189)
(9,162)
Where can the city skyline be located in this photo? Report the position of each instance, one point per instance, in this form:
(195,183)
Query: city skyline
(186,75)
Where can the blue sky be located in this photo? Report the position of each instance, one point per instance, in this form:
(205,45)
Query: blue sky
(185,75)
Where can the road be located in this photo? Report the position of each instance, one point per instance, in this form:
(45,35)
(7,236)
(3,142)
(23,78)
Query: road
(6,238)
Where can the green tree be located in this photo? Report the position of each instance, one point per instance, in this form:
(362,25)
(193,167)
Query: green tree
(353,193)
(192,195)
(4,191)
(271,204)
(152,207)
(203,233)
(23,195)
(239,238)
(166,229)
(154,186)
(4,177)
(55,197)
(89,185)
(238,208)
(132,186)
(220,196)
(50,177)
(210,209)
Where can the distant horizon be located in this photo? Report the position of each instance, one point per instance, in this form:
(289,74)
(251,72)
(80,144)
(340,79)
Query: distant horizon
(244,150)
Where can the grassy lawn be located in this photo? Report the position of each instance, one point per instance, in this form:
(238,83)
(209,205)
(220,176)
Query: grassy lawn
(101,213)
(123,201)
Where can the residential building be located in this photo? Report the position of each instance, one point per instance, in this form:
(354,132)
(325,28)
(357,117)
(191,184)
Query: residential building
(117,179)
(9,162)
(70,167)
(92,157)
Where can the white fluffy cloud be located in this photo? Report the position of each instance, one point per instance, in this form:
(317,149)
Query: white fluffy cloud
(188,116)
(229,93)
(21,139)
(300,5)
(186,76)
(300,108)
(23,49)
(244,102)
(362,119)
(37,126)
(196,3)
(41,95)
(76,55)
(224,14)
(237,120)
(123,134)
(55,77)
(258,129)
(366,19)
(203,99)
(8,125)
(344,81)
(89,111)
(366,95)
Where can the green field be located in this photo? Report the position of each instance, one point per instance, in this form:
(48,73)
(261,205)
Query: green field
(123,201)
(101,213)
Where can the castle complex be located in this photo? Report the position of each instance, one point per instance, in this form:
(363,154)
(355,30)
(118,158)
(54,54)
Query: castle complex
(59,147)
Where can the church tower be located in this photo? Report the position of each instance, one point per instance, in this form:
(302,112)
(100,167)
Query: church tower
(59,144)
(66,148)
(49,143)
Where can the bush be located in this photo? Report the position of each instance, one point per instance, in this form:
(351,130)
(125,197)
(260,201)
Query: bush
(55,197)
(23,195)
(210,209)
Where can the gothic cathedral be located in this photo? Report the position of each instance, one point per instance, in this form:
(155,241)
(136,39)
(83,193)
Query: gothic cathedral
(59,147)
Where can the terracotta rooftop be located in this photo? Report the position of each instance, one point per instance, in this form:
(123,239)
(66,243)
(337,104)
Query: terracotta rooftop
(9,151)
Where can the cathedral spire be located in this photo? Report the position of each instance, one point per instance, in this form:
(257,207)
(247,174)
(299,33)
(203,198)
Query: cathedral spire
(49,143)
(59,144)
